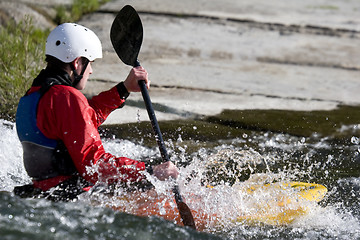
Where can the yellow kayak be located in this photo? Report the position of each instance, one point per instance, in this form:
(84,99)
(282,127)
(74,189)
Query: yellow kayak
(289,201)
(277,204)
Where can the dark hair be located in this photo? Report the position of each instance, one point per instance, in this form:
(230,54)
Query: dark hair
(54,62)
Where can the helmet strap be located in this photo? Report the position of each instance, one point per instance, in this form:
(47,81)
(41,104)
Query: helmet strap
(78,77)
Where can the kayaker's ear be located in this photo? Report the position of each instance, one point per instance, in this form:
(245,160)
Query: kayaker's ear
(76,63)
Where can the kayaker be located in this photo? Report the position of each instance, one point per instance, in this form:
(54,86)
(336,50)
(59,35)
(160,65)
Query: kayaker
(58,126)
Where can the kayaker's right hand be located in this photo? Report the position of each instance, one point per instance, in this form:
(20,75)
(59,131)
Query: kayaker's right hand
(165,171)
(136,74)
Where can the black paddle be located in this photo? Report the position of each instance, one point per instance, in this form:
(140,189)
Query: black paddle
(126,36)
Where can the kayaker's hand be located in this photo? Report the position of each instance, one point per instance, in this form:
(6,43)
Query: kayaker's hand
(165,171)
(136,74)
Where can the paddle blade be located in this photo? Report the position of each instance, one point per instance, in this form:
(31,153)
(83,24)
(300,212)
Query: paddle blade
(186,215)
(126,35)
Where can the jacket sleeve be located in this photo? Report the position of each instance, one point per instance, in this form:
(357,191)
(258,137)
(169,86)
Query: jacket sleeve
(64,113)
(104,103)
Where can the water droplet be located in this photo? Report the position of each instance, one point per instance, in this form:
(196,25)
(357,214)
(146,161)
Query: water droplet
(355,140)
(138,116)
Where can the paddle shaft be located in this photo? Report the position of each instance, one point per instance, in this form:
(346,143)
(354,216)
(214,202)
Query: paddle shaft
(156,128)
(126,36)
(154,123)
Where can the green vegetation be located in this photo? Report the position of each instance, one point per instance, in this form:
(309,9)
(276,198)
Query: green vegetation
(22,53)
(76,10)
(297,123)
(21,58)
(324,7)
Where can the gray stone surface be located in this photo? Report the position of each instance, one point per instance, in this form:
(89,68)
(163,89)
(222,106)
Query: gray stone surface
(324,13)
(16,10)
(208,55)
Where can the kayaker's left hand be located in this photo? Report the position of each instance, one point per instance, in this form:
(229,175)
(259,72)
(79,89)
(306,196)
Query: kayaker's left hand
(165,171)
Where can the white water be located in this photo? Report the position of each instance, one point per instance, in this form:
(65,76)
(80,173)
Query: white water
(12,171)
(330,221)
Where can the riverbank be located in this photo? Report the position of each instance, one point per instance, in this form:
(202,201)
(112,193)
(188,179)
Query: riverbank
(209,56)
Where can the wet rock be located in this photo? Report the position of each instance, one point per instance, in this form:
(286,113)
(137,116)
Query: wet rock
(16,11)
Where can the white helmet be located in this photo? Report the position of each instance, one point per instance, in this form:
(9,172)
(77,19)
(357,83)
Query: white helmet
(69,41)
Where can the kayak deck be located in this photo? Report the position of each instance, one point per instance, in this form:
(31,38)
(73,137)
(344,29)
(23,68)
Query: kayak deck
(278,203)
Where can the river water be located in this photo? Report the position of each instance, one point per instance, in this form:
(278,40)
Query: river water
(260,156)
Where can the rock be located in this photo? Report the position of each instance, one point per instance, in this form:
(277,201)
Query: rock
(16,11)
(210,55)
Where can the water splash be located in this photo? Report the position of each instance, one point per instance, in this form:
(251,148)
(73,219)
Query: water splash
(228,168)
(12,171)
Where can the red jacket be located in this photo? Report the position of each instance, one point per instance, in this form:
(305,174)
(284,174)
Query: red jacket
(65,114)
